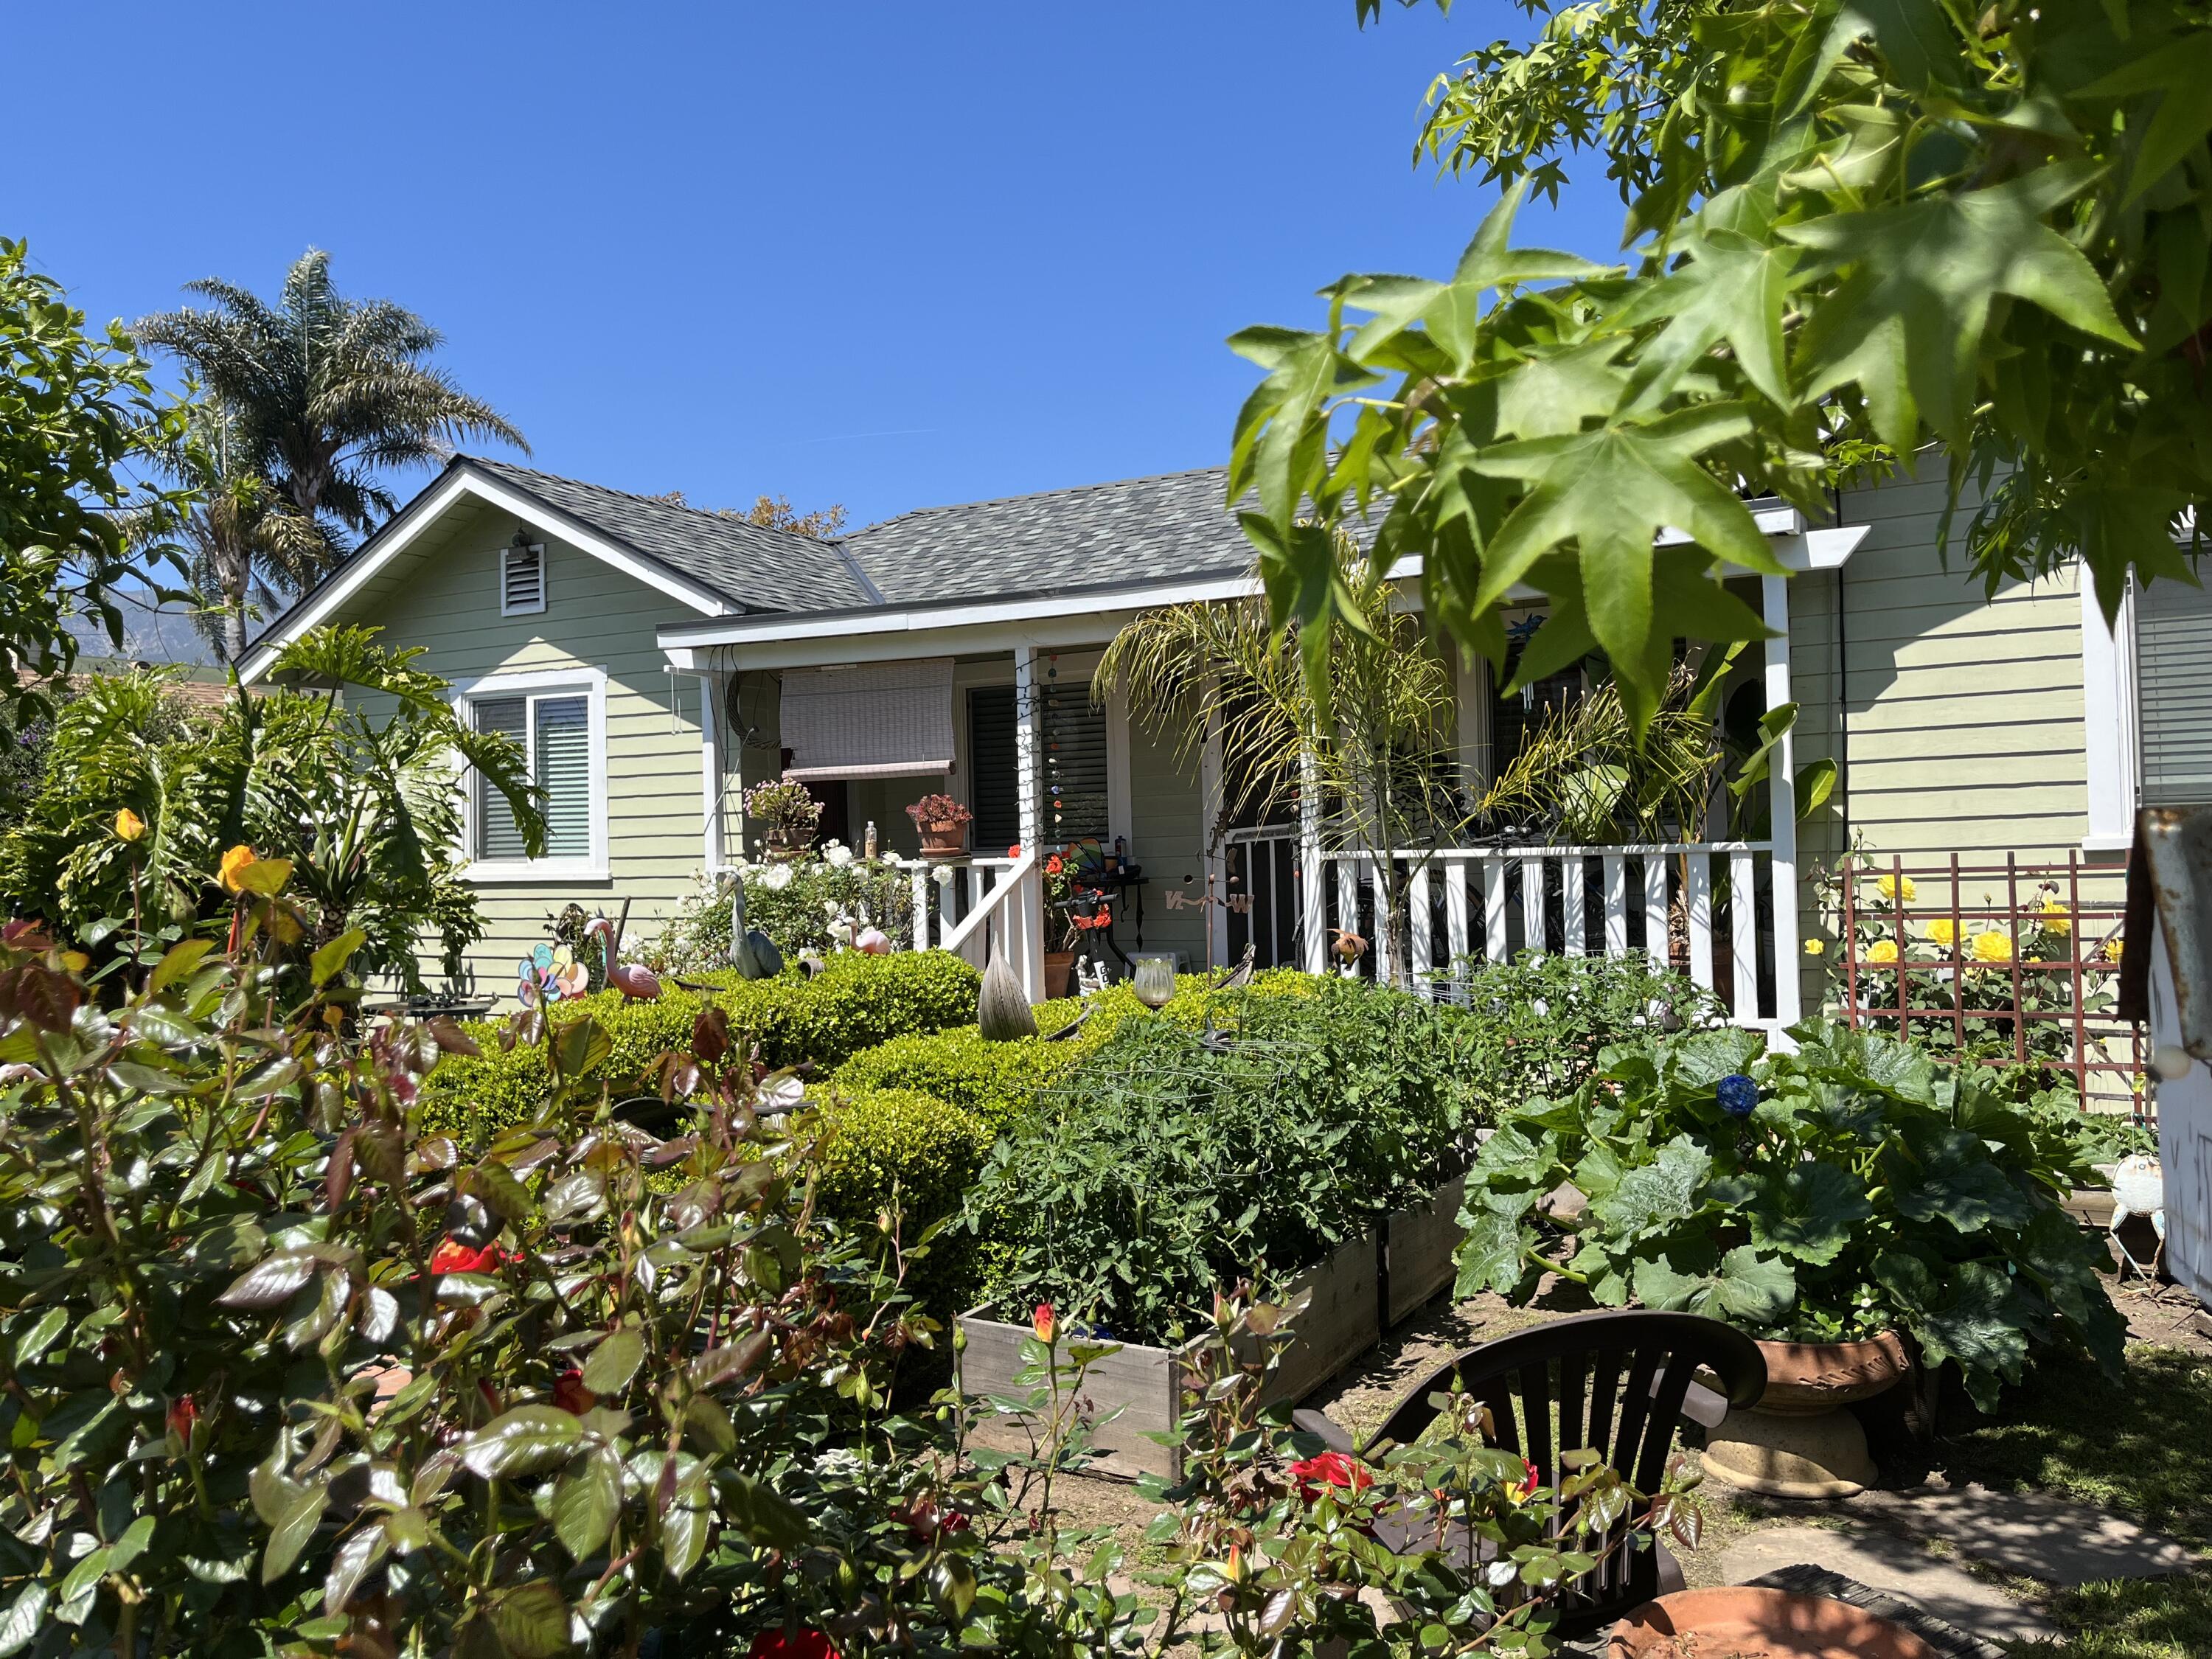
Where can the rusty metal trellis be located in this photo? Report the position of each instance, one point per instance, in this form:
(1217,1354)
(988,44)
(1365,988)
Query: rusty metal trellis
(2104,1055)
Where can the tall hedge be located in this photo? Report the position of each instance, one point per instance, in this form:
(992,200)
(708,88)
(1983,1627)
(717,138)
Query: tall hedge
(856,1002)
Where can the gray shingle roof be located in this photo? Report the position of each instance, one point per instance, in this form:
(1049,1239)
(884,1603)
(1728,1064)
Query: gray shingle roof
(1131,529)
(761,569)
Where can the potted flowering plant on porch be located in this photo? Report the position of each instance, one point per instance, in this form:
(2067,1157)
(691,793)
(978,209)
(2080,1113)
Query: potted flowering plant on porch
(790,815)
(1074,913)
(943,824)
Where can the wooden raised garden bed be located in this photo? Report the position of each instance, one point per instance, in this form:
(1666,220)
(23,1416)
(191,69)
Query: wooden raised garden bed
(1367,1287)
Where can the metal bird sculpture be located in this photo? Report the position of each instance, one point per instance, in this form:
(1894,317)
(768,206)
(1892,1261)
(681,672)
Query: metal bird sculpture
(752,952)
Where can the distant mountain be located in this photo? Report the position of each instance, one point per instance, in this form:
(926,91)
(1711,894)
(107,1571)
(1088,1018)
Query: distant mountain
(151,634)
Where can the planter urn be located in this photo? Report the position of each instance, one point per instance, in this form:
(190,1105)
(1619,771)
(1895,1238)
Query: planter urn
(1742,1621)
(1799,1441)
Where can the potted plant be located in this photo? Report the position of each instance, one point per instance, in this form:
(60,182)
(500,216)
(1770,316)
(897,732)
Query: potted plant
(789,816)
(942,824)
(1840,1204)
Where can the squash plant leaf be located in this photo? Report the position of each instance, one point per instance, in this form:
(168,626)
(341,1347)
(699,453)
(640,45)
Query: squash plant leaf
(1810,1212)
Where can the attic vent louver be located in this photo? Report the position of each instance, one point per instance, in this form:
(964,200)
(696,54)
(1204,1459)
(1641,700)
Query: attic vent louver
(521,579)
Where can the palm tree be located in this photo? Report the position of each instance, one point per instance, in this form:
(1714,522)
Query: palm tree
(237,538)
(327,392)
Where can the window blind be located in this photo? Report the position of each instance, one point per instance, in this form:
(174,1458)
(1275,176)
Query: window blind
(497,835)
(2173,674)
(561,762)
(991,781)
(1074,783)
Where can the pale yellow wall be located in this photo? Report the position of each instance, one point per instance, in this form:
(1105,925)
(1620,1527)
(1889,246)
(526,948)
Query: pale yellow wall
(442,594)
(1957,715)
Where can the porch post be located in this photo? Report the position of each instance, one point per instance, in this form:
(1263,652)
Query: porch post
(1782,794)
(1026,783)
(1313,914)
(1212,822)
(710,770)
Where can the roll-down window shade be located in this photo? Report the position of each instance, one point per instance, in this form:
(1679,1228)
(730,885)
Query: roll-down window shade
(2173,674)
(872,721)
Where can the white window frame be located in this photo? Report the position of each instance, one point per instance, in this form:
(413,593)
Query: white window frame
(591,683)
(544,579)
(2111,736)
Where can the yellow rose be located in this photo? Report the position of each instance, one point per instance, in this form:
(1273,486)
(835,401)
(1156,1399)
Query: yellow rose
(1890,886)
(1992,946)
(1813,947)
(1882,953)
(2112,949)
(2056,917)
(129,826)
(1943,931)
(233,861)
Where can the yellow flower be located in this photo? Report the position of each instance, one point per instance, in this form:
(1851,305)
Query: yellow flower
(129,826)
(2056,917)
(1889,887)
(2112,949)
(1883,952)
(1813,947)
(1992,946)
(1943,931)
(233,861)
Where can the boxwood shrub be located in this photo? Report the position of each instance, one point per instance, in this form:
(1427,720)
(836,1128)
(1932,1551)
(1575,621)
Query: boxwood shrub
(856,1002)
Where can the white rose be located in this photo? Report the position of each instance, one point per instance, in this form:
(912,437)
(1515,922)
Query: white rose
(941,875)
(837,855)
(777,877)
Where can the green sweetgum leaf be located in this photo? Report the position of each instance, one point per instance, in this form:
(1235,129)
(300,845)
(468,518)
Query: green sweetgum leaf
(1908,322)
(1732,287)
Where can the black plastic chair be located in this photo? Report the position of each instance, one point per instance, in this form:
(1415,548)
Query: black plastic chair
(1617,1383)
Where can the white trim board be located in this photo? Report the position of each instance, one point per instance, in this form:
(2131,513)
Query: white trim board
(425,511)
(2111,739)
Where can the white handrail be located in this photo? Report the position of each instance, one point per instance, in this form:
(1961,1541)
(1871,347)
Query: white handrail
(1009,919)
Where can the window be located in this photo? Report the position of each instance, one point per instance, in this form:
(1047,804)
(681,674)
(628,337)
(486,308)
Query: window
(558,721)
(521,580)
(2174,672)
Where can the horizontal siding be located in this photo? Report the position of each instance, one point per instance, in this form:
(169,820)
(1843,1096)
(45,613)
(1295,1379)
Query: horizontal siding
(444,597)
(1959,713)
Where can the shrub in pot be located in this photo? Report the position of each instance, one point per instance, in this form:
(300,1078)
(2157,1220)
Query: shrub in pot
(788,815)
(942,823)
(1851,1188)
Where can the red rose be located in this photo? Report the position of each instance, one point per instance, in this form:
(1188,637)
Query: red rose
(1522,1490)
(182,1415)
(451,1256)
(806,1645)
(1330,1468)
(570,1395)
(926,1520)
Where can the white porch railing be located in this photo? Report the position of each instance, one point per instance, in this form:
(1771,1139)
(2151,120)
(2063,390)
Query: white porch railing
(1707,908)
(990,906)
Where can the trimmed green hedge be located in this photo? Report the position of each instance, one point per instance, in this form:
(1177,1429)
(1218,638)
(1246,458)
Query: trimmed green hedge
(856,1002)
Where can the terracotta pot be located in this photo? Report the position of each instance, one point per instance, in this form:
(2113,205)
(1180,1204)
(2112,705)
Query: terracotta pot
(784,852)
(1740,1622)
(1805,1378)
(943,841)
(1058,973)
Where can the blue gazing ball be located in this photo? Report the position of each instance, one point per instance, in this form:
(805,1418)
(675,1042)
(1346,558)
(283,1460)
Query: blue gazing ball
(1739,1094)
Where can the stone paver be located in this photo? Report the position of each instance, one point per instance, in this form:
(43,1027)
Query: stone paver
(2035,1535)
(1885,1561)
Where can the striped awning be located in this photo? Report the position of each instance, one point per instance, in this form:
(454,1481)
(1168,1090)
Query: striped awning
(890,720)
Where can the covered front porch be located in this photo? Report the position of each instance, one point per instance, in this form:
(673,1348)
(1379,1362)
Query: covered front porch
(992,705)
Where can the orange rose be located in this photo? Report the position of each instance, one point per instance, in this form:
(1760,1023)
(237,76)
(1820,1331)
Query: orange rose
(129,826)
(1042,1322)
(233,864)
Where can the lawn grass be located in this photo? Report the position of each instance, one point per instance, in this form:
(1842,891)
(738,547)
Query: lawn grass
(2142,1447)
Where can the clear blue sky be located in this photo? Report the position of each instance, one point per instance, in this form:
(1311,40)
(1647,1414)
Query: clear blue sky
(886,255)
